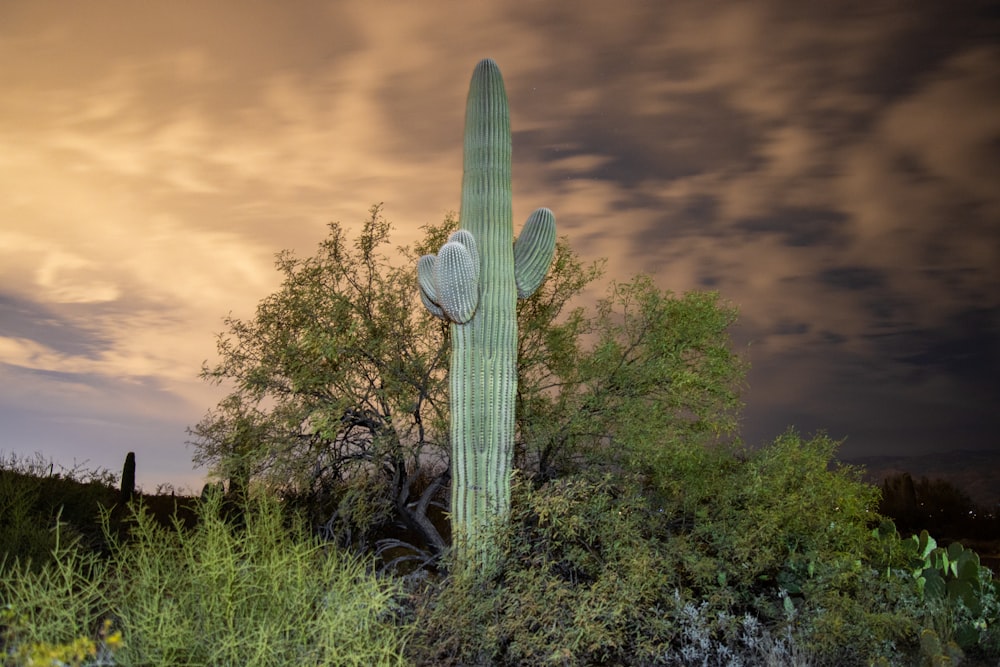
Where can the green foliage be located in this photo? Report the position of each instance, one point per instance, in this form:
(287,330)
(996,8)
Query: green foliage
(34,498)
(337,378)
(960,599)
(760,557)
(260,593)
(49,609)
(780,514)
(751,557)
(656,388)
(581,569)
(340,385)
(257,594)
(590,575)
(784,533)
(585,565)
(19,520)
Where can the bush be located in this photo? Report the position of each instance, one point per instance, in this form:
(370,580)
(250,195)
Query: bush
(768,557)
(52,611)
(764,557)
(19,533)
(784,533)
(33,496)
(257,593)
(589,577)
(581,569)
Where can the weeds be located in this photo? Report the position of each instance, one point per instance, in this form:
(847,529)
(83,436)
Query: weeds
(260,593)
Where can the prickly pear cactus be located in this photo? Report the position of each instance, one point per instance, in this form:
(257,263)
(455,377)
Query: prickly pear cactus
(474,282)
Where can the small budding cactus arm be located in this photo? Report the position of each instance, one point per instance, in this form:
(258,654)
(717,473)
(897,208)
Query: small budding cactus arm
(474,282)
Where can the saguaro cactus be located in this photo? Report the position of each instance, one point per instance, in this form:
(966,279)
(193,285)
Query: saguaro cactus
(474,282)
(127,491)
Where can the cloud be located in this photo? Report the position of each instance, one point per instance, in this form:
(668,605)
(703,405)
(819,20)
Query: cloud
(830,171)
(24,319)
(950,125)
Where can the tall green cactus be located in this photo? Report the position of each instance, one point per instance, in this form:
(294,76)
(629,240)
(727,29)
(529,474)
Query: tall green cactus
(474,282)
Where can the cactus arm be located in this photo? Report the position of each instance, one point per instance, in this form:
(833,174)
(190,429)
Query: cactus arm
(428,292)
(533,251)
(449,281)
(456,277)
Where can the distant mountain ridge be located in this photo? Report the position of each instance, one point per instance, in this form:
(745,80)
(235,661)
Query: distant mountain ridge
(976,472)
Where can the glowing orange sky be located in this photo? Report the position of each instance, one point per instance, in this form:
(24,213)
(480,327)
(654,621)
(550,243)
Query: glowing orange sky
(832,172)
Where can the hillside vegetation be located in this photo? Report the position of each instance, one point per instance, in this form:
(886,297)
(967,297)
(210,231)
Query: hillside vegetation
(641,530)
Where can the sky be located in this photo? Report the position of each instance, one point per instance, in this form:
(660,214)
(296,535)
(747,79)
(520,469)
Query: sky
(832,169)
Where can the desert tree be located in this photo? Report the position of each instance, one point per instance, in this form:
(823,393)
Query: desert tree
(336,389)
(339,392)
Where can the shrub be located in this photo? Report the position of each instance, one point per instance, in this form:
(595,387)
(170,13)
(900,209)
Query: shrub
(763,558)
(785,531)
(589,576)
(581,569)
(260,592)
(32,495)
(19,533)
(52,611)
(952,597)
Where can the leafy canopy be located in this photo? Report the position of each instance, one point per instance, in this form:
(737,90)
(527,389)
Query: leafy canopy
(339,391)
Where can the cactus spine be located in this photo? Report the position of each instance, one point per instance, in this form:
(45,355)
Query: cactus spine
(474,282)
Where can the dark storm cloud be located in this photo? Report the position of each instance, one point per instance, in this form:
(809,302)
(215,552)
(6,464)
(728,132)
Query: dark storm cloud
(966,347)
(698,133)
(799,226)
(854,278)
(897,66)
(831,73)
(702,207)
(24,319)
(790,328)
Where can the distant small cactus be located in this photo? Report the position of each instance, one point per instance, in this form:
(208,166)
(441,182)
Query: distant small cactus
(128,479)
